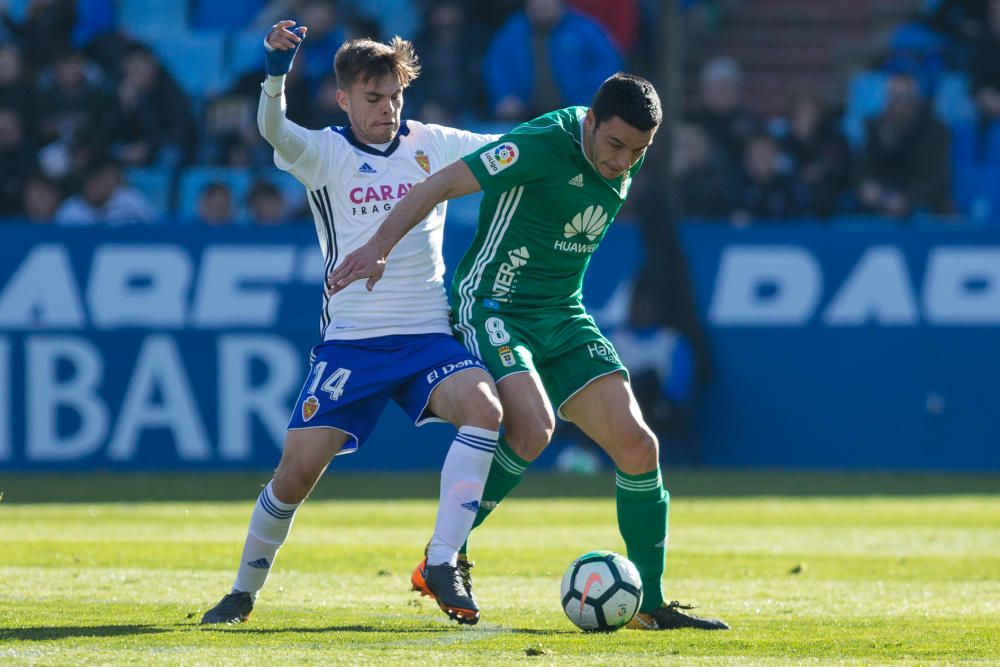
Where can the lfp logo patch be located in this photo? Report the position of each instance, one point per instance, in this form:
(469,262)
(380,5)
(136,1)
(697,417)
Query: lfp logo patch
(505,154)
(500,157)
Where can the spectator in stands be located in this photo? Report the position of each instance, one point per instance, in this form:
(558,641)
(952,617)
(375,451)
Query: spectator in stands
(544,58)
(108,50)
(699,179)
(231,137)
(325,110)
(16,161)
(71,109)
(274,11)
(215,205)
(105,198)
(721,111)
(620,19)
(391,17)
(325,37)
(16,88)
(493,15)
(962,20)
(266,204)
(762,192)
(40,198)
(451,67)
(818,153)
(976,142)
(46,31)
(985,70)
(904,168)
(94,18)
(153,123)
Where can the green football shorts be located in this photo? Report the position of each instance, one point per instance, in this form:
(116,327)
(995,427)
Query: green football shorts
(565,348)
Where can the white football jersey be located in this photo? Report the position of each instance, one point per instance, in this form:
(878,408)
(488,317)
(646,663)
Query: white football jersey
(352,187)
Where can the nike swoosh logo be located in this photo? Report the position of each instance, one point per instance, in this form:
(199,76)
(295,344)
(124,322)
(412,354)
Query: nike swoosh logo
(594,578)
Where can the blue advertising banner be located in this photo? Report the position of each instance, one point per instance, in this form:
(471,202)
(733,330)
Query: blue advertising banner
(850,346)
(178,347)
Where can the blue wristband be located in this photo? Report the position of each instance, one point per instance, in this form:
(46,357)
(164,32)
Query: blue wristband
(278,62)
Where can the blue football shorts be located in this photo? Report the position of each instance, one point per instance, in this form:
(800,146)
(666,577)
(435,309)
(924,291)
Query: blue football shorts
(351,381)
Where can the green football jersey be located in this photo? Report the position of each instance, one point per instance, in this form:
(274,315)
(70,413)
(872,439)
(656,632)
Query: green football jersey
(545,210)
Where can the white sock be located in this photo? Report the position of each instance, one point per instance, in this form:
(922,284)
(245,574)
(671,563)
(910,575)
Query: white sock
(463,477)
(269,525)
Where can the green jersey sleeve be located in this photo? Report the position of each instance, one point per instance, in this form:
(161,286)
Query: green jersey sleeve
(517,158)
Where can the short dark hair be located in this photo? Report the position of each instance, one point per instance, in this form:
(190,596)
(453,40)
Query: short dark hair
(631,98)
(263,189)
(365,58)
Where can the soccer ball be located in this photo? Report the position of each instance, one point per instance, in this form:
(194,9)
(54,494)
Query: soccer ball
(601,591)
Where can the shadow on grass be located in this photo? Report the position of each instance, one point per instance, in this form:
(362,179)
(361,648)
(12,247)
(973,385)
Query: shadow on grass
(317,630)
(40,634)
(436,629)
(25,487)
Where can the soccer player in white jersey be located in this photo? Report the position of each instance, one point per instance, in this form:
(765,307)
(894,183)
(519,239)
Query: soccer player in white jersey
(391,343)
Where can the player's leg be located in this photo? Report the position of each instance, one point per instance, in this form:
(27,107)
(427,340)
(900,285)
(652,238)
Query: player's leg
(449,384)
(607,411)
(343,395)
(505,344)
(528,426)
(307,452)
(505,471)
(469,401)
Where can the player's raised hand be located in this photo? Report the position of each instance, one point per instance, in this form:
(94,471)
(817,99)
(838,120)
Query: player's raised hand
(365,262)
(280,47)
(282,38)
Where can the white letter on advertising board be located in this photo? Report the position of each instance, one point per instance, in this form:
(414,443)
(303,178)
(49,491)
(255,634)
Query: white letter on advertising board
(877,290)
(42,293)
(765,286)
(48,390)
(962,286)
(139,286)
(159,369)
(240,400)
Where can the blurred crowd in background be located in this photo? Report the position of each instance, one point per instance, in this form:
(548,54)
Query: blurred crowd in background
(117,111)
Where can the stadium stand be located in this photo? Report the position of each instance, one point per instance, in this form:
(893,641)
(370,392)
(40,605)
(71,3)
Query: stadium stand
(152,18)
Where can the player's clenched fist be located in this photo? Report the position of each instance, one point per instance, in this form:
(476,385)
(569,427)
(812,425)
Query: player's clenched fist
(281,45)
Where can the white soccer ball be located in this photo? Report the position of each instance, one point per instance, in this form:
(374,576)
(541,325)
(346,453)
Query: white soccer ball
(601,591)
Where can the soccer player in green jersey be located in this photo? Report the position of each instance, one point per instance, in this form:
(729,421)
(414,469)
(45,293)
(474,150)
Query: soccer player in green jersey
(552,187)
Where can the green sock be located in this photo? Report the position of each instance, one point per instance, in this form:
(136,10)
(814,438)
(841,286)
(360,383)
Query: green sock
(642,520)
(505,473)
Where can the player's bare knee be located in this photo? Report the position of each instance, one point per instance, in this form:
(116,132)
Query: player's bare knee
(482,410)
(291,483)
(640,454)
(529,441)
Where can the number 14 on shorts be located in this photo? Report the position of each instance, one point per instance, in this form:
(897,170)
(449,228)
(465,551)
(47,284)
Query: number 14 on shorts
(334,384)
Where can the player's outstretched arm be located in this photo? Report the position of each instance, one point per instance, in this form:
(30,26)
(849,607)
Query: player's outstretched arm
(280,46)
(368,261)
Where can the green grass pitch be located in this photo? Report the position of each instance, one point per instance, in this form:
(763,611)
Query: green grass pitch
(808,568)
